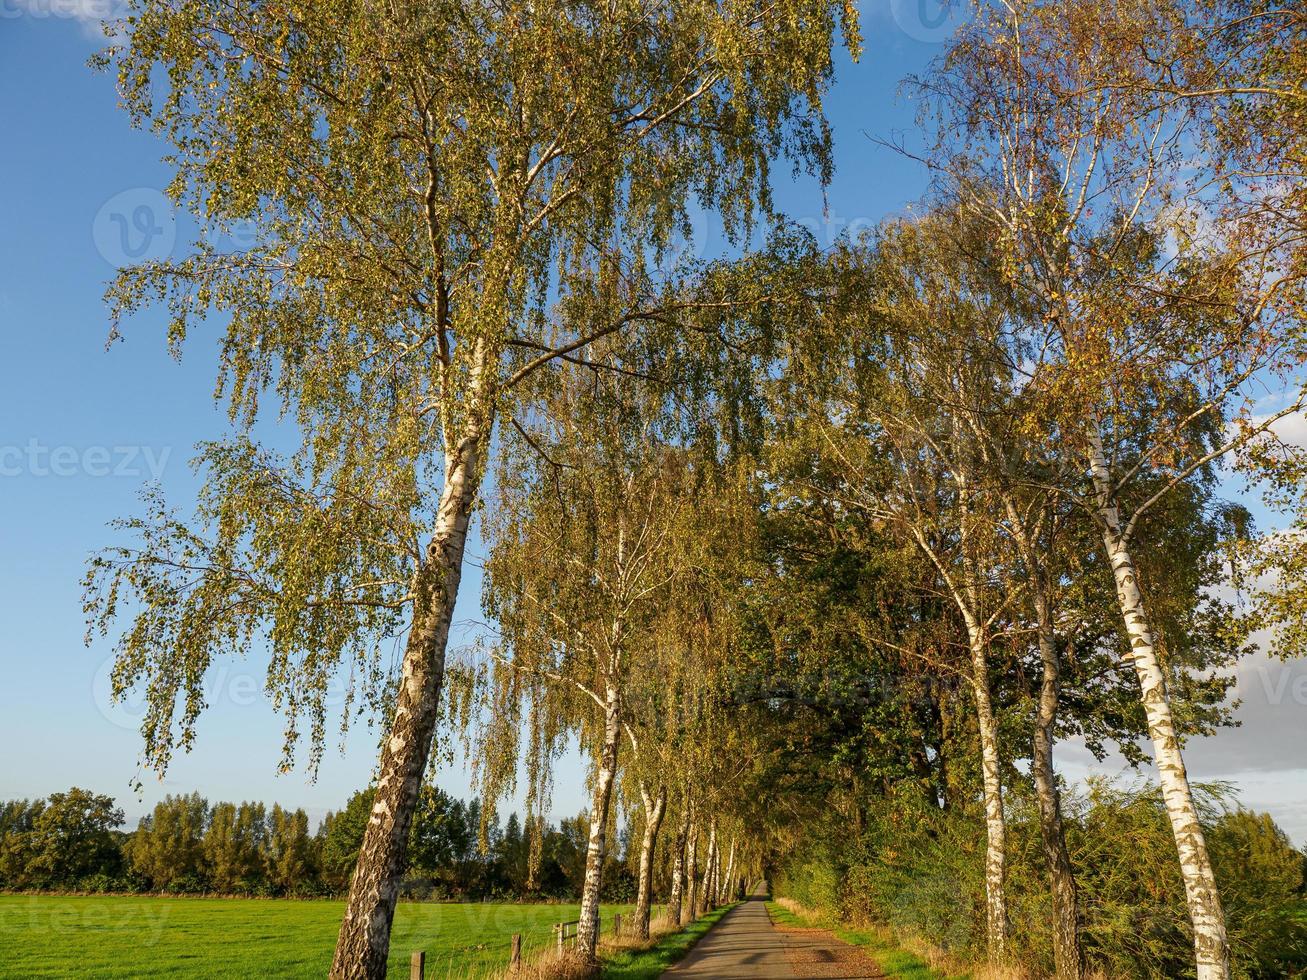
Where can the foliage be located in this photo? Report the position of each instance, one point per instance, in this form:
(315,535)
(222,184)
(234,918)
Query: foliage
(59,842)
(167,848)
(234,846)
(187,846)
(1137,925)
(918,872)
(836,539)
(447,199)
(289,854)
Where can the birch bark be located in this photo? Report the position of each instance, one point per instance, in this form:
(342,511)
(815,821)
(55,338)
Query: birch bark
(996,917)
(654,807)
(964,596)
(1211,946)
(710,870)
(364,940)
(692,869)
(587,930)
(677,897)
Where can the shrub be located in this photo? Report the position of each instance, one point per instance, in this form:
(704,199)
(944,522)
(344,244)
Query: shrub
(919,870)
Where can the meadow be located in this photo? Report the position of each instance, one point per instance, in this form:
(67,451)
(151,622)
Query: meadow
(131,936)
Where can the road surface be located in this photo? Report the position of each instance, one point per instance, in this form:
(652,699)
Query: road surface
(745,945)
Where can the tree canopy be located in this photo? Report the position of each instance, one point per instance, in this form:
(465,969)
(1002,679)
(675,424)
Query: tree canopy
(817,553)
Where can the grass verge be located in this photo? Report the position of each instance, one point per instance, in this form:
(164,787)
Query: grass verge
(650,962)
(894,961)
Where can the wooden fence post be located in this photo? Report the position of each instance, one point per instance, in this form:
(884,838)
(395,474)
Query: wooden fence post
(617,924)
(562,935)
(515,960)
(417,965)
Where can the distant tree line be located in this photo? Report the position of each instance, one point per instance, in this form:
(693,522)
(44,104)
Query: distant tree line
(74,841)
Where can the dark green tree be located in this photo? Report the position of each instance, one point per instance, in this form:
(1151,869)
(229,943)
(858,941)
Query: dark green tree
(167,849)
(71,839)
(288,851)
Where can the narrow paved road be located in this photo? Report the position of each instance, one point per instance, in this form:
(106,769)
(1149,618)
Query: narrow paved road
(746,946)
(743,946)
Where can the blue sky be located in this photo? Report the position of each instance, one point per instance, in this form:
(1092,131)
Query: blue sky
(82,427)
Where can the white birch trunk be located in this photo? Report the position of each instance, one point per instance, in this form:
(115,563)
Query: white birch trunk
(716,875)
(587,930)
(729,880)
(692,869)
(677,898)
(654,807)
(996,917)
(1211,947)
(710,870)
(964,596)
(363,943)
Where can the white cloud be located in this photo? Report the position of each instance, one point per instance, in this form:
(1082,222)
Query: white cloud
(89,15)
(83,10)
(1262,756)
(1292,429)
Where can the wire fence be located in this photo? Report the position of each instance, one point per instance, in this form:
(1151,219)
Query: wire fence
(525,951)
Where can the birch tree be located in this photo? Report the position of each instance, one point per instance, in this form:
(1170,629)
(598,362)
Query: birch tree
(883,424)
(654,809)
(676,899)
(1063,133)
(658,730)
(957,320)
(941,509)
(584,552)
(425,183)
(692,870)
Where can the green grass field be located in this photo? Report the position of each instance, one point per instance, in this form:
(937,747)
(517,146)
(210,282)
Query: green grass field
(118,936)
